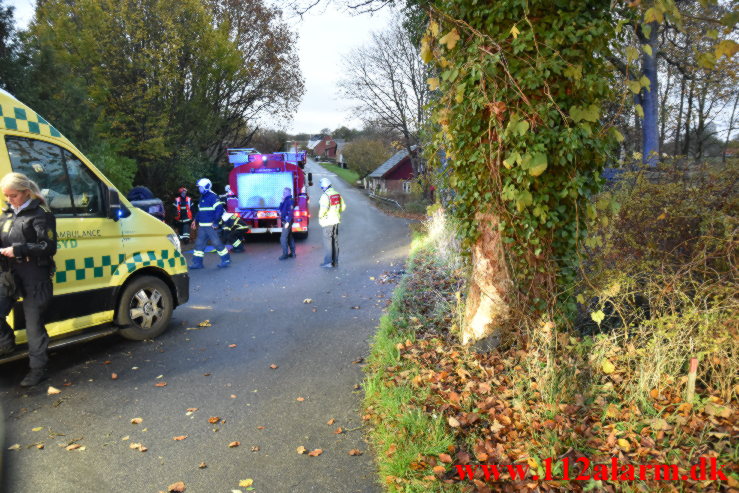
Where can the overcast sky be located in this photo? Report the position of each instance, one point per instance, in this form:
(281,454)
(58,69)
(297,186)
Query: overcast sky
(325,34)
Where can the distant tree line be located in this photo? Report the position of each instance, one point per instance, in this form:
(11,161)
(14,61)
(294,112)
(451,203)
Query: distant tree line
(153,92)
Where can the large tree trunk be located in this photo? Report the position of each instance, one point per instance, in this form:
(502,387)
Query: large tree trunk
(487,308)
(650,97)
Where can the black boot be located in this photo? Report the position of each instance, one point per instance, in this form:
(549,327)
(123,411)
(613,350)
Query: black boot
(34,376)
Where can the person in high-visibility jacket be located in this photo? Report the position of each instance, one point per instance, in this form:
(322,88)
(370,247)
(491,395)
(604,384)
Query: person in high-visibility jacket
(210,210)
(183,214)
(329,217)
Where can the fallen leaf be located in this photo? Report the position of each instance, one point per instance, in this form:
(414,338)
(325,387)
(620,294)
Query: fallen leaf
(273,366)
(439,470)
(192,409)
(233,396)
(260,427)
(177,487)
(106,362)
(496,426)
(15,446)
(624,445)
(213,420)
(331,421)
(300,450)
(339,430)
(255,448)
(232,345)
(137,421)
(114,376)
(355,451)
(355,308)
(716,410)
(40,446)
(53,390)
(315,453)
(205,323)
(206,374)
(202,465)
(300,399)
(446,458)
(38,428)
(245,483)
(307,300)
(125,438)
(234,444)
(74,446)
(453,422)
(138,446)
(607,367)
(179,438)
(357,361)
(160,384)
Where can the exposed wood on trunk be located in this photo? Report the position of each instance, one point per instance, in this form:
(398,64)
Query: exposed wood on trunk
(488,309)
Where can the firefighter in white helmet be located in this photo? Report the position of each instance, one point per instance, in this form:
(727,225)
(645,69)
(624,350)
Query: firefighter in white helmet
(329,217)
(210,210)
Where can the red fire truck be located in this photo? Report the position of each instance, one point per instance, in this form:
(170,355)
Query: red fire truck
(257,182)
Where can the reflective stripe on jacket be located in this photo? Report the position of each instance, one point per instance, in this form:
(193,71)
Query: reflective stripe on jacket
(332,205)
(210,210)
(184,208)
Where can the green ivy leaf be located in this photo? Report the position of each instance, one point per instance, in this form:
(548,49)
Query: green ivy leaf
(654,15)
(617,135)
(634,86)
(645,82)
(647,49)
(632,54)
(538,164)
(598,317)
(573,72)
(639,110)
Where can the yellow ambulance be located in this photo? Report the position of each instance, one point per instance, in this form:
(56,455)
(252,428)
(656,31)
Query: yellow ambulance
(117,267)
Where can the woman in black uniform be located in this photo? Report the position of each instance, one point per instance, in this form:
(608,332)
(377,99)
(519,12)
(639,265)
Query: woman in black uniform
(27,248)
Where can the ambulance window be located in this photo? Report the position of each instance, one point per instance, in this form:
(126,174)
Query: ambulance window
(43,163)
(86,188)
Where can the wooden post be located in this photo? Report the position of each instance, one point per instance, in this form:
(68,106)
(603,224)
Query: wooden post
(691,379)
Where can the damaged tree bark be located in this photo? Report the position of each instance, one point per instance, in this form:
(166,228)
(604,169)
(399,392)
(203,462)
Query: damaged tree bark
(488,309)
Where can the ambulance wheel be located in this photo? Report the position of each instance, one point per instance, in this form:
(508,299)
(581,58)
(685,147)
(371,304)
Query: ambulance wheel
(145,308)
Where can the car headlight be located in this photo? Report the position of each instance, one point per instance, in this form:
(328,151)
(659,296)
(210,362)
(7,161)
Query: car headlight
(175,240)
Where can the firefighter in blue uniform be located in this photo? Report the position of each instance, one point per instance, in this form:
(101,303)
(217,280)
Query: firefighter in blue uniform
(234,230)
(207,219)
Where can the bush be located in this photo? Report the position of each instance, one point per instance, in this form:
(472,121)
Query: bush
(663,283)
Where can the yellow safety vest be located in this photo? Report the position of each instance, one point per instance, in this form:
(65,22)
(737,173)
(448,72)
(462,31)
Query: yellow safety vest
(332,205)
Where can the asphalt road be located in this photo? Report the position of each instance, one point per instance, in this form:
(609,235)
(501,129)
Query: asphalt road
(257,318)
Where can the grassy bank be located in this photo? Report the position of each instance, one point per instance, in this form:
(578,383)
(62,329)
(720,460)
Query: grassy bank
(347,175)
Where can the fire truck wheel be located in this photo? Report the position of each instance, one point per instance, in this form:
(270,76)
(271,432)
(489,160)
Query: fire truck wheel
(301,236)
(145,308)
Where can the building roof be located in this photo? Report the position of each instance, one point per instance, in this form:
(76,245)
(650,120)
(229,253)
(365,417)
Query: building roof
(391,163)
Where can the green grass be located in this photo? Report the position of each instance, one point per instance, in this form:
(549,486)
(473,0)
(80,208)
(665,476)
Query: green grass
(347,175)
(402,432)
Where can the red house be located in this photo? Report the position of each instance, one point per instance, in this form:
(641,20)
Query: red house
(325,148)
(394,176)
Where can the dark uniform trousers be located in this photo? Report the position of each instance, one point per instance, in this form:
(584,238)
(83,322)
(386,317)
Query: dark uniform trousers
(33,283)
(331,244)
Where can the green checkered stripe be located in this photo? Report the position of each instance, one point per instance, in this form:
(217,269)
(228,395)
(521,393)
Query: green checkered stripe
(24,120)
(97,267)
